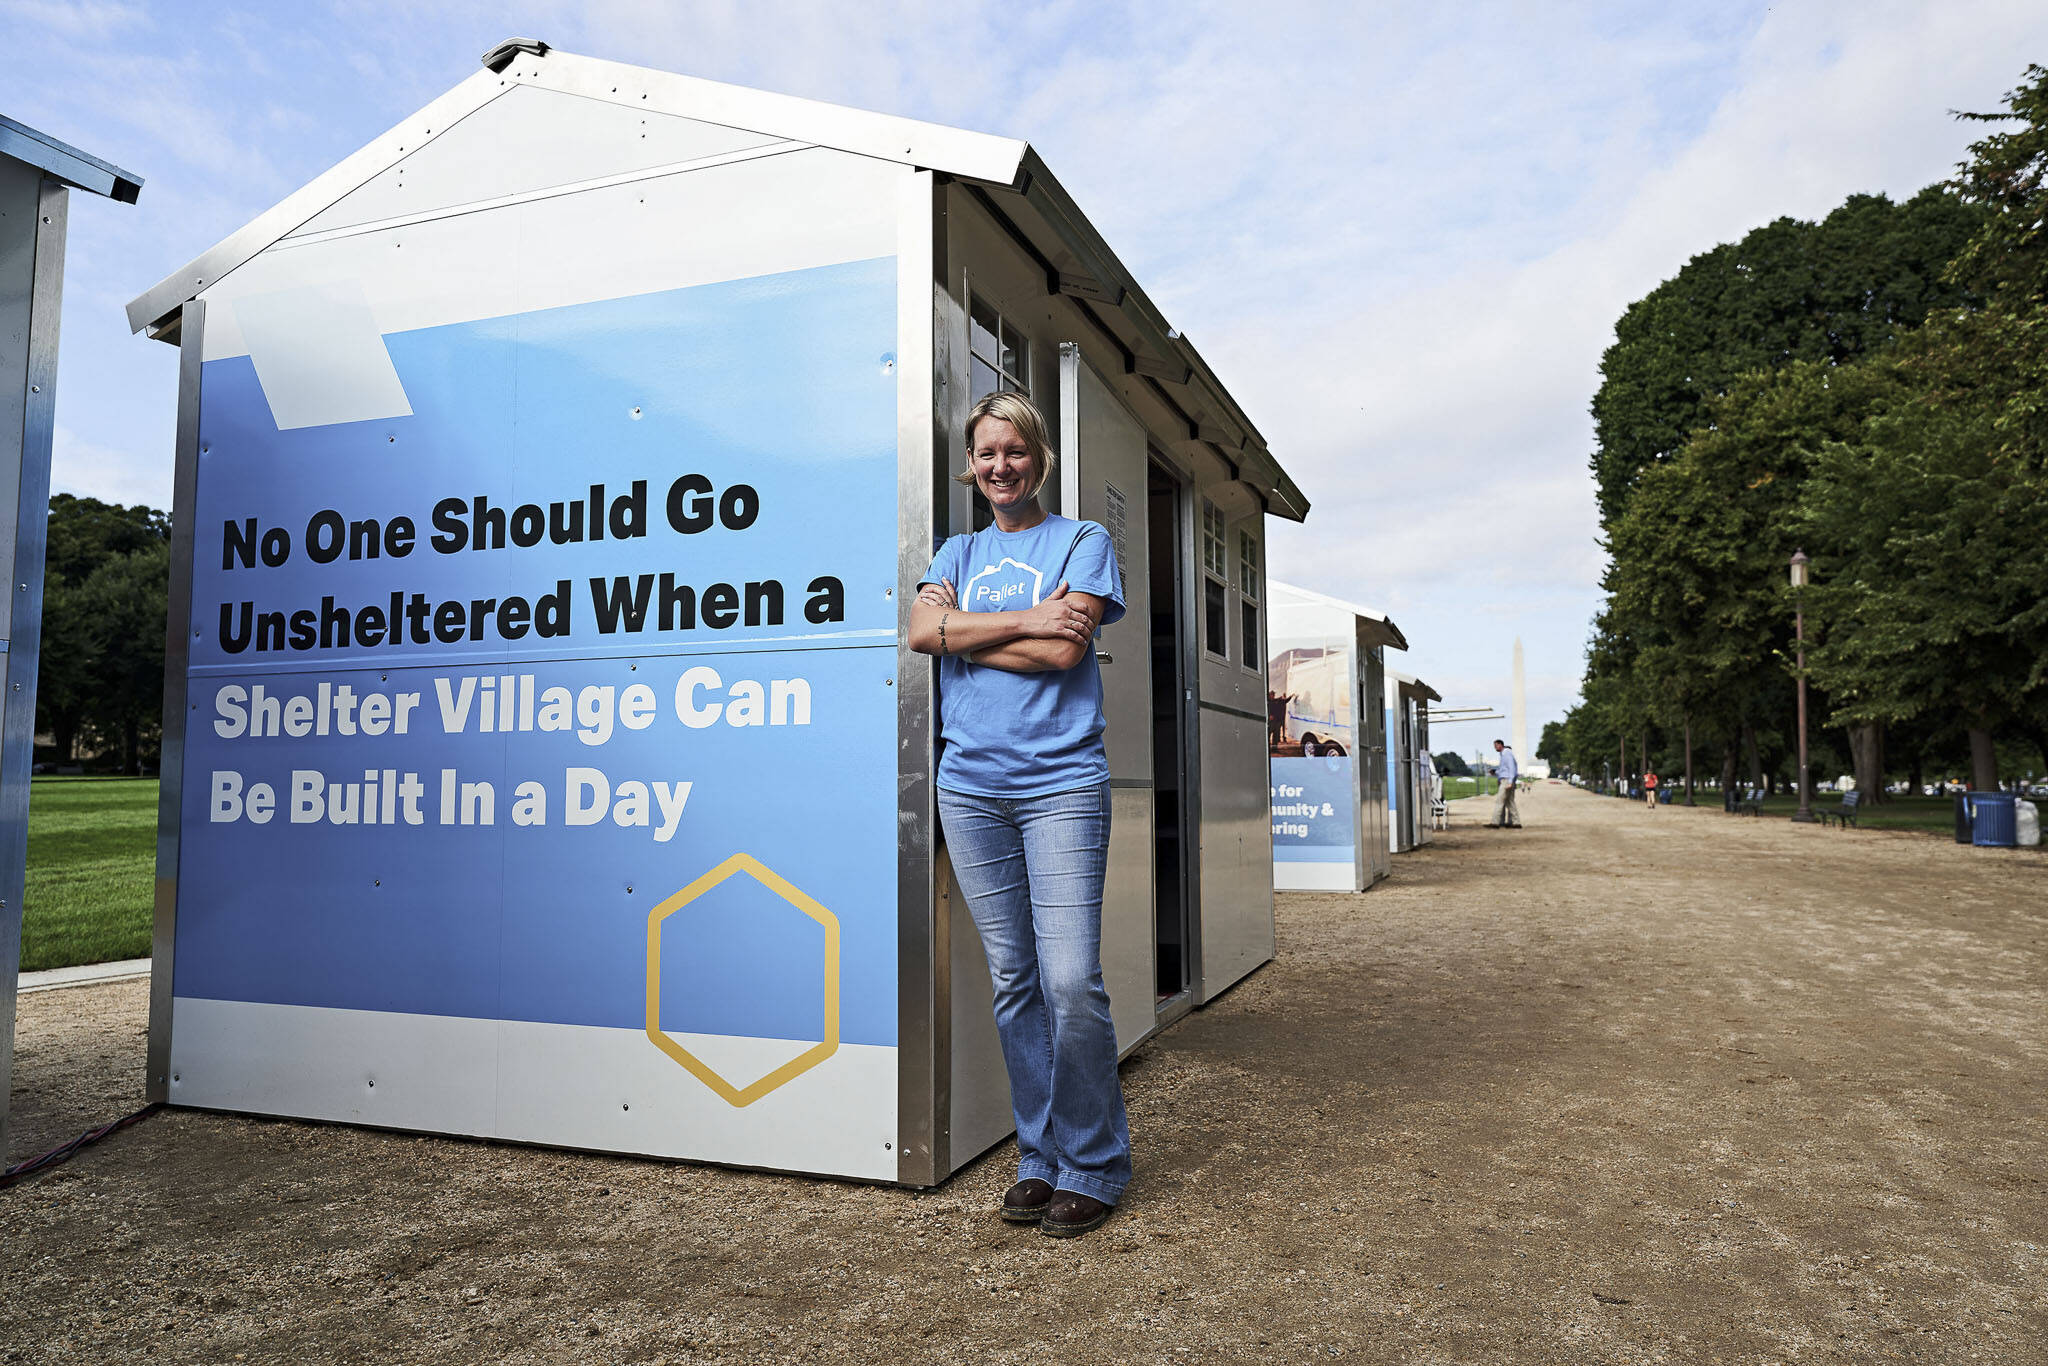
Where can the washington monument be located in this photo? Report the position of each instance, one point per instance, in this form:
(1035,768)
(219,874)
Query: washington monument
(1518,715)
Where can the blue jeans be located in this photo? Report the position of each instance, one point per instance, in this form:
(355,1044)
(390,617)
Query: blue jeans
(1032,869)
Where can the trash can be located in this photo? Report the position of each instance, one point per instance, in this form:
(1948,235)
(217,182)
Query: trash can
(1962,818)
(1994,821)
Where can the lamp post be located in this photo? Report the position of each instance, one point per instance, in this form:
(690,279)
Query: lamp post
(1805,812)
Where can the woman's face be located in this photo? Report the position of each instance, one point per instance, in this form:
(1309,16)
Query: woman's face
(1003,468)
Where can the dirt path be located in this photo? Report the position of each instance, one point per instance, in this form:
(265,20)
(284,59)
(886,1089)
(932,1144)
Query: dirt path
(1617,1088)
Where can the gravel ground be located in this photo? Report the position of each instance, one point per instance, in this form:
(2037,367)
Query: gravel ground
(1621,1087)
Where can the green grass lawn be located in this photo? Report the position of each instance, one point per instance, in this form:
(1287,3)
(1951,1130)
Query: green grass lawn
(91,871)
(1455,788)
(1935,815)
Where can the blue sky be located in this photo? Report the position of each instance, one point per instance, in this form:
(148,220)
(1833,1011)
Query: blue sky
(1400,234)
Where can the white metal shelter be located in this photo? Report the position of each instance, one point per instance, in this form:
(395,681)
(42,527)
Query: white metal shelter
(1327,733)
(1409,768)
(37,175)
(636,396)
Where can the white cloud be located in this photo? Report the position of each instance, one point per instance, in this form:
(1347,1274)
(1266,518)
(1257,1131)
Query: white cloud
(114,476)
(1401,236)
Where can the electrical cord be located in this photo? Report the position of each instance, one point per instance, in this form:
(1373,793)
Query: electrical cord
(22,1171)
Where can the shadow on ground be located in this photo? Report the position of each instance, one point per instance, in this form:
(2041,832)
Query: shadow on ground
(1619,1087)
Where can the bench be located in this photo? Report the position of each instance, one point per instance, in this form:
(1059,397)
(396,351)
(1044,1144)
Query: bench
(1752,801)
(1845,814)
(1439,814)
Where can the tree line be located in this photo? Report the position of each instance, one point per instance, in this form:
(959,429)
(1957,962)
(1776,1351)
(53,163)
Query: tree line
(1872,389)
(100,681)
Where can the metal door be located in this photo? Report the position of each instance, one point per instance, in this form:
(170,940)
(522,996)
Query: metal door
(1102,479)
(1373,846)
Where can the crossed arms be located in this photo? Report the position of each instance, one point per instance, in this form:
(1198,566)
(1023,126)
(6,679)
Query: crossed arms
(1053,635)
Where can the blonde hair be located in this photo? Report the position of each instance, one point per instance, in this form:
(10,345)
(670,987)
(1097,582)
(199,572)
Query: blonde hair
(1009,406)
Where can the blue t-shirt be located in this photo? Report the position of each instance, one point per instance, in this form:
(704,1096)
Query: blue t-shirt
(1006,734)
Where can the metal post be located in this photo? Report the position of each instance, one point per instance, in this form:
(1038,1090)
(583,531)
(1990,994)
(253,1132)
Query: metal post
(1804,814)
(1688,759)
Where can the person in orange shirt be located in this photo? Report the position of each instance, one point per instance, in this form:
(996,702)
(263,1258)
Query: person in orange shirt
(1650,789)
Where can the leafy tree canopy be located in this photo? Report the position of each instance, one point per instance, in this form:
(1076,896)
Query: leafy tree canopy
(85,533)
(1823,292)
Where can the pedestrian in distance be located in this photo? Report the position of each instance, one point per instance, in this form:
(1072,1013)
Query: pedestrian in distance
(1505,816)
(1011,613)
(1650,789)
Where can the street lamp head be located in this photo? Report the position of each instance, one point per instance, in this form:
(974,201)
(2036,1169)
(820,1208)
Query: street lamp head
(1799,569)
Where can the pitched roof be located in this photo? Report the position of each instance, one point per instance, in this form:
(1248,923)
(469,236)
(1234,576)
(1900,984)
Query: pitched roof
(80,170)
(1005,175)
(1385,631)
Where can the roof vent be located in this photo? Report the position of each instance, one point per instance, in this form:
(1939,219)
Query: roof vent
(501,56)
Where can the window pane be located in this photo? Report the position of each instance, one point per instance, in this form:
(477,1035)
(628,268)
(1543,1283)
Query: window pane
(981,380)
(1247,565)
(1248,647)
(1214,618)
(1016,358)
(982,327)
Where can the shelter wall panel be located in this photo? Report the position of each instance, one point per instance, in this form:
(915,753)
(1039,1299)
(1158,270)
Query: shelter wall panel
(628,877)
(736,221)
(1314,877)
(1316,807)
(1104,478)
(572,1086)
(528,139)
(1374,850)
(20,190)
(1236,851)
(980,1104)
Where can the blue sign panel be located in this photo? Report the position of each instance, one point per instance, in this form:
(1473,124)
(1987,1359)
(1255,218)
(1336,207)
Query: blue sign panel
(1315,811)
(566,700)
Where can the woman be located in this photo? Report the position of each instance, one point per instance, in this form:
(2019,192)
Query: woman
(1011,612)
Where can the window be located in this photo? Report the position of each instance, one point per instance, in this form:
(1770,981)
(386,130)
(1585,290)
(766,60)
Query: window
(999,357)
(1248,608)
(999,354)
(1215,596)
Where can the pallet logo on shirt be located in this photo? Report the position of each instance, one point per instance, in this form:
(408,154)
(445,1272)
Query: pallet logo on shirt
(986,592)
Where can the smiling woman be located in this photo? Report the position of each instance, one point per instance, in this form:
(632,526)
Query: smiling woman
(1012,611)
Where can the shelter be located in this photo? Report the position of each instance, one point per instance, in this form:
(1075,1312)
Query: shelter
(545,759)
(37,175)
(1326,729)
(1410,771)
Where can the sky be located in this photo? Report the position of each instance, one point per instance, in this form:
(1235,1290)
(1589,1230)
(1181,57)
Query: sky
(1400,234)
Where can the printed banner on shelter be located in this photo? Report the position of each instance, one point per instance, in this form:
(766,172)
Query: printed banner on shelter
(1315,814)
(564,703)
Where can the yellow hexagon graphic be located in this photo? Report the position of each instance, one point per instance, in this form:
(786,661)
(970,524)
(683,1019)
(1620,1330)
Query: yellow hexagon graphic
(698,1068)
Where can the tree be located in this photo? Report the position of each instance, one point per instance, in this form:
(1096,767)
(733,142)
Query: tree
(1939,514)
(1550,748)
(1450,765)
(85,533)
(126,599)
(2007,175)
(1789,291)
(1934,595)
(81,649)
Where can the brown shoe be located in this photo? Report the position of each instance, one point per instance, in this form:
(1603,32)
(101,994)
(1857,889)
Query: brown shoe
(1025,1202)
(1071,1214)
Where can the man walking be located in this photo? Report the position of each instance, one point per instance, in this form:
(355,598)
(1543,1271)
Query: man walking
(1505,817)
